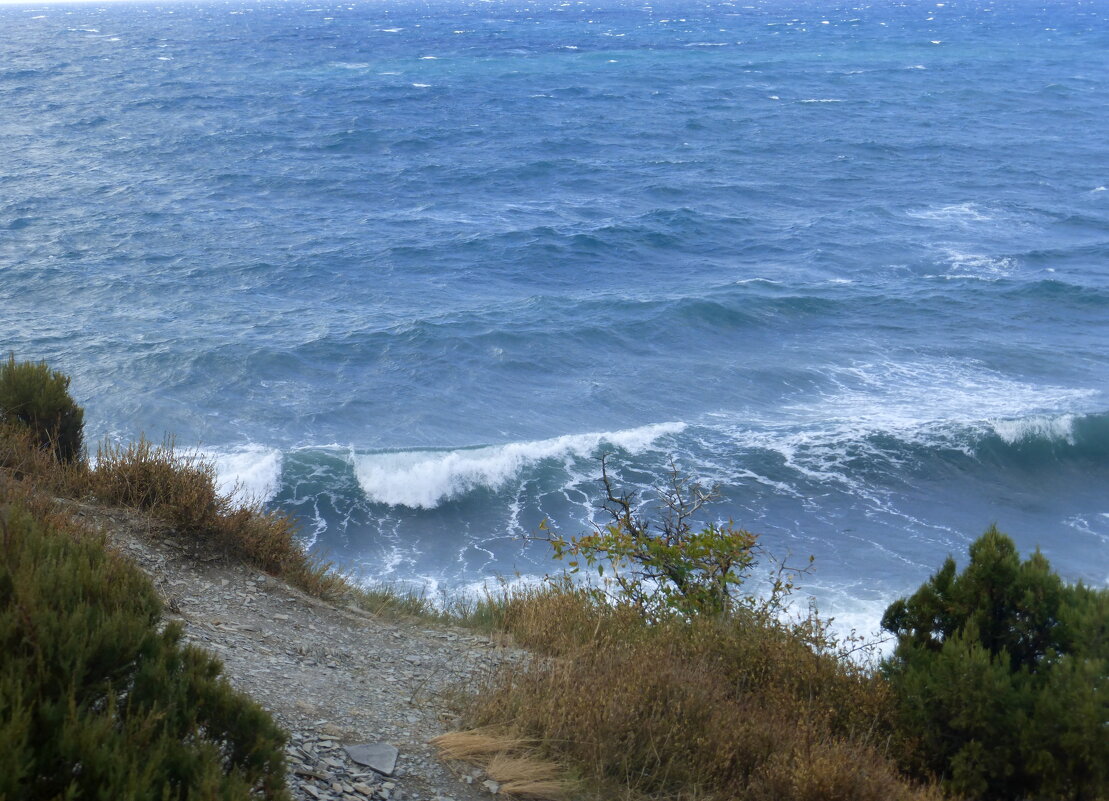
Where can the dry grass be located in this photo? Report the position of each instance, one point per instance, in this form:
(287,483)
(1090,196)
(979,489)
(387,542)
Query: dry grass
(23,458)
(180,489)
(177,488)
(713,709)
(510,761)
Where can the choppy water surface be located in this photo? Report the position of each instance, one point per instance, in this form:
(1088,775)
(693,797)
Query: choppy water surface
(407,269)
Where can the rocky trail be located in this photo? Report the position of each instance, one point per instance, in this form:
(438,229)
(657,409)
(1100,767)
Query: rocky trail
(360,696)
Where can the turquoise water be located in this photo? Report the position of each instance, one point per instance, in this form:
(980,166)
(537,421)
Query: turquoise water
(408,269)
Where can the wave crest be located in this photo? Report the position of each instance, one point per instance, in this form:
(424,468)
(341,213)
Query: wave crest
(250,473)
(424,479)
(1057,428)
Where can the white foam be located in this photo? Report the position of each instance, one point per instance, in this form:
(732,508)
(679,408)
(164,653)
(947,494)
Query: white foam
(947,404)
(961,213)
(977,265)
(821,100)
(899,397)
(1059,428)
(251,472)
(422,85)
(424,479)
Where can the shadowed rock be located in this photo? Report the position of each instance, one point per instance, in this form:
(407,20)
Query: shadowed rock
(381,757)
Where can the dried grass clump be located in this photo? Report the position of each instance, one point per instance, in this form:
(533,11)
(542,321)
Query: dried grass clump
(23,457)
(728,708)
(179,488)
(511,761)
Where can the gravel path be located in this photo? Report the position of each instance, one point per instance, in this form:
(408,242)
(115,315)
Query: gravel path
(330,676)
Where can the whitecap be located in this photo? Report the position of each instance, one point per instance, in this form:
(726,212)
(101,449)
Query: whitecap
(252,473)
(422,85)
(961,213)
(1057,428)
(424,479)
(965,401)
(977,266)
(821,100)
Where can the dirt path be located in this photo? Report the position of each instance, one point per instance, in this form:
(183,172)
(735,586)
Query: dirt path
(331,676)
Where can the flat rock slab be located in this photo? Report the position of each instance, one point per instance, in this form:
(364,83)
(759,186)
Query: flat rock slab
(381,757)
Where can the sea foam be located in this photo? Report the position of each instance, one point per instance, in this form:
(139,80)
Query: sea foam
(1054,428)
(252,473)
(424,479)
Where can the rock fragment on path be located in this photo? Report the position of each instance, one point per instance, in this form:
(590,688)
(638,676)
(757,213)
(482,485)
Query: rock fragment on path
(381,757)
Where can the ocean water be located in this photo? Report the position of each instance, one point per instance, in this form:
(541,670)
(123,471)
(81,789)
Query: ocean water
(407,269)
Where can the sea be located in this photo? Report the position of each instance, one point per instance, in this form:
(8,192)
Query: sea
(407,270)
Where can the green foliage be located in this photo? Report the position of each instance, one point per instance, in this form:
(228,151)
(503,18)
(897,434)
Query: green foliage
(665,567)
(35,396)
(1002,677)
(96,701)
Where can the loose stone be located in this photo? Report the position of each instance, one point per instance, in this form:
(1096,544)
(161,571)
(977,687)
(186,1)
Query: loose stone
(381,757)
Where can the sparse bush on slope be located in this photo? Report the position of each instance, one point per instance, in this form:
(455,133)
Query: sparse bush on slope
(95,700)
(33,395)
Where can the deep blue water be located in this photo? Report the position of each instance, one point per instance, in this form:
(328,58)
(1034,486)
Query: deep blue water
(406,269)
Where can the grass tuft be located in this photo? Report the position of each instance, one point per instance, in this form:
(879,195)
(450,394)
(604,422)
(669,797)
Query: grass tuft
(179,488)
(509,760)
(713,708)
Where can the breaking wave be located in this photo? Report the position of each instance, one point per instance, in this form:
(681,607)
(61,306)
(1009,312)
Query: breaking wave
(424,479)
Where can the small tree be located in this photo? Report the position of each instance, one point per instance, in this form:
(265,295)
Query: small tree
(668,566)
(33,395)
(1002,677)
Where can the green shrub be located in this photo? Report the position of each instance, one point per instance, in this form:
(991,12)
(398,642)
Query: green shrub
(666,566)
(95,700)
(36,396)
(1001,673)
